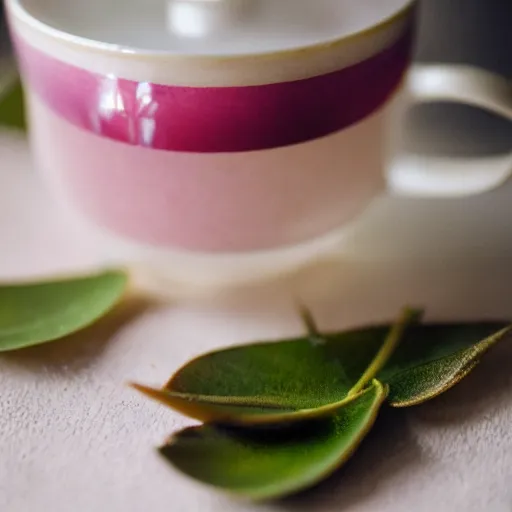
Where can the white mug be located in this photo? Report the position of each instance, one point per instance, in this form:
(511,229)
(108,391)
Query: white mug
(200,150)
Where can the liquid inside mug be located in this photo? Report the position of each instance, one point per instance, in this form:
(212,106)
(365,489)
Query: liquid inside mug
(206,138)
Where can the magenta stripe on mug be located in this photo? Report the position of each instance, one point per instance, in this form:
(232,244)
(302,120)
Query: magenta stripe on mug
(217,119)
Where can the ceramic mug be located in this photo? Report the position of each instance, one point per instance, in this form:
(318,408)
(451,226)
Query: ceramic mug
(244,152)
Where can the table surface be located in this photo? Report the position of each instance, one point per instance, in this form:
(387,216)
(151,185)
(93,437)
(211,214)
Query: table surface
(74,437)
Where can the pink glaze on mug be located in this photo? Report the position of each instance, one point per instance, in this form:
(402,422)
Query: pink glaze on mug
(215,169)
(216,119)
(225,202)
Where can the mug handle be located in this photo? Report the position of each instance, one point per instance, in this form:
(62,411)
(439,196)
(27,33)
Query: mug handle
(415,175)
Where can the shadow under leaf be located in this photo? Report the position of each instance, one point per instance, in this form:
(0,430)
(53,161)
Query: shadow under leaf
(388,451)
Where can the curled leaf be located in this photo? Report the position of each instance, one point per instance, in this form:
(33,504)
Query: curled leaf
(269,463)
(279,382)
(32,314)
(434,358)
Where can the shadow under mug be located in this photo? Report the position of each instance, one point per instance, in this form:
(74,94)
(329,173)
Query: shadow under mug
(219,168)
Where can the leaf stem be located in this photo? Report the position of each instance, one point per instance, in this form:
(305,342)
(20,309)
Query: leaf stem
(168,397)
(407,317)
(309,322)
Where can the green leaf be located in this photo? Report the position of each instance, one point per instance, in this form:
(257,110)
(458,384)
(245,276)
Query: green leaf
(300,378)
(389,347)
(269,463)
(280,382)
(12,107)
(32,314)
(434,358)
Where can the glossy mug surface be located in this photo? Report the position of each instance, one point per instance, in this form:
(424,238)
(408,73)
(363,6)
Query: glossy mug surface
(263,137)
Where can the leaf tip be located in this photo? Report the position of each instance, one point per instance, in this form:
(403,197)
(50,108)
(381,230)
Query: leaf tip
(147,391)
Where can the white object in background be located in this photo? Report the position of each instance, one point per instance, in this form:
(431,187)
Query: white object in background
(443,177)
(199,18)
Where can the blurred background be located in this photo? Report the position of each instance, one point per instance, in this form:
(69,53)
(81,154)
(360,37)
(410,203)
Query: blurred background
(474,32)
(467,31)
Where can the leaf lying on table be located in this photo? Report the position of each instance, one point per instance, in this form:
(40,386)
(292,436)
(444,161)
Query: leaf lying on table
(315,391)
(12,109)
(32,314)
(280,382)
(264,463)
(433,358)
(293,379)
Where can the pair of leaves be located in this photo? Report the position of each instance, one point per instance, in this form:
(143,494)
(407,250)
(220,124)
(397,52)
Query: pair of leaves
(265,464)
(297,409)
(288,381)
(252,383)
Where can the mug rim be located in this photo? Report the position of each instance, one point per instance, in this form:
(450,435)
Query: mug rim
(24,16)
